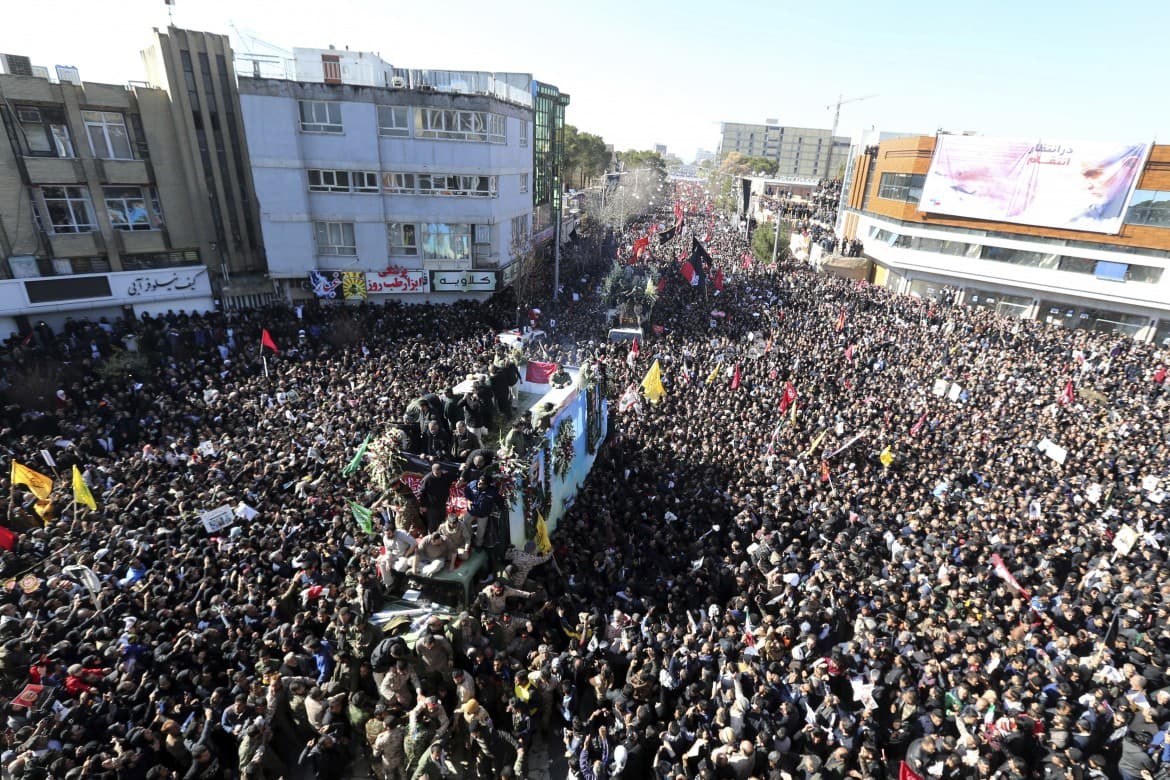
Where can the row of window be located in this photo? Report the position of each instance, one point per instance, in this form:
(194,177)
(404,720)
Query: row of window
(906,187)
(46,133)
(1102,269)
(446,184)
(448,124)
(433,240)
(69,210)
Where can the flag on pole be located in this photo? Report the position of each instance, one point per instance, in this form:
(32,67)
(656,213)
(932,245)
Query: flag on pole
(635,349)
(363,516)
(640,246)
(356,462)
(849,352)
(824,470)
(713,375)
(840,321)
(629,399)
(749,636)
(792,416)
(788,398)
(543,543)
(917,427)
(816,442)
(887,457)
(689,273)
(652,384)
(81,491)
(735,378)
(1001,571)
(40,485)
(719,279)
(266,341)
(1068,395)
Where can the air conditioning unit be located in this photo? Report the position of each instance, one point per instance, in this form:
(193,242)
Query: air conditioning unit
(397,82)
(15,65)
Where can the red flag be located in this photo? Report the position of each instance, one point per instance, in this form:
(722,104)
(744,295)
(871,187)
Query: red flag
(1068,395)
(747,260)
(735,378)
(719,279)
(266,340)
(906,773)
(678,212)
(640,246)
(688,272)
(539,373)
(849,352)
(841,321)
(788,398)
(7,538)
(662,284)
(1001,571)
(824,471)
(1160,375)
(634,347)
(914,429)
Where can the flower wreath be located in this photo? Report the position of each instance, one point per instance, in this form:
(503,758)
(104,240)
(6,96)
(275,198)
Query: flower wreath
(564,447)
(384,458)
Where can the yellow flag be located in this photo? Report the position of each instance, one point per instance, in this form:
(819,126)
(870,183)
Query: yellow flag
(652,384)
(792,417)
(81,492)
(44,508)
(543,543)
(713,375)
(651,288)
(886,457)
(816,443)
(38,483)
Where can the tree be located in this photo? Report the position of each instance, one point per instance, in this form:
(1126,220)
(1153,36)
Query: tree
(722,180)
(762,242)
(528,275)
(586,156)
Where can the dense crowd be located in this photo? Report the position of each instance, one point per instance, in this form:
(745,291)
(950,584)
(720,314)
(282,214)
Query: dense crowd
(804,562)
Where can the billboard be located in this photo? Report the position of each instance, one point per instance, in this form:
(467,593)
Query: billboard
(1074,185)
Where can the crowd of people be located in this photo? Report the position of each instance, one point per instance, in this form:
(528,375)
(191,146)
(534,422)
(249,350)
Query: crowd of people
(860,534)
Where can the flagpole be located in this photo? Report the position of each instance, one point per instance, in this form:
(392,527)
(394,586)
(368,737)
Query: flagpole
(265,359)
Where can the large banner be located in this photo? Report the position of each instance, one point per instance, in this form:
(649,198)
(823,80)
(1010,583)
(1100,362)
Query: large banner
(1075,185)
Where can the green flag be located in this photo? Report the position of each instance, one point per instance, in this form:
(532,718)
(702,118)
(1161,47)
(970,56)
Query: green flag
(356,463)
(363,516)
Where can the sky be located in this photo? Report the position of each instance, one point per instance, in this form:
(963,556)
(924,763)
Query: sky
(647,72)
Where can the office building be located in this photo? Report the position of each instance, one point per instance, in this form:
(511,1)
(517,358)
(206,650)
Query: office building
(195,69)
(1074,233)
(96,217)
(547,159)
(798,151)
(374,181)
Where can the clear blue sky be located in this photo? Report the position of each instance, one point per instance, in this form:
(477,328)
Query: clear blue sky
(643,72)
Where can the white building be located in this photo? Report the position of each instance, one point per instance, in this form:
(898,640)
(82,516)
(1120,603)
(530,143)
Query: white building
(388,181)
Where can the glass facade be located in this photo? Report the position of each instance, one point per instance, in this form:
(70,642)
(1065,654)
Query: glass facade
(548,151)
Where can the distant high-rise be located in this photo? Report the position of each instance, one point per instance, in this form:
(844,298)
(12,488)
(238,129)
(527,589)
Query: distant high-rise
(798,151)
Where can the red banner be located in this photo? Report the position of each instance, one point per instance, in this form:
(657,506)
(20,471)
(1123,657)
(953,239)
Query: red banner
(539,373)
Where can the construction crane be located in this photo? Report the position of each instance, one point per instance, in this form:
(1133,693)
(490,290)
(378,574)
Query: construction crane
(837,107)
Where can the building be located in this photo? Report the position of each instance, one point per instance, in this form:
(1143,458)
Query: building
(1088,246)
(660,149)
(96,214)
(703,155)
(798,151)
(196,71)
(548,155)
(376,182)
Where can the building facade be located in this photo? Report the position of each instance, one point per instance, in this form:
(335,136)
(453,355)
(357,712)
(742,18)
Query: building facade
(96,217)
(404,183)
(1069,277)
(548,157)
(798,151)
(196,71)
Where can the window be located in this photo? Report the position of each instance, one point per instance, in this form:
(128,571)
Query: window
(520,229)
(328,181)
(523,133)
(46,134)
(906,187)
(108,139)
(454,185)
(129,209)
(335,238)
(453,125)
(524,182)
(398,183)
(394,121)
(1149,207)
(403,238)
(319,116)
(365,181)
(68,209)
(483,234)
(443,241)
(331,68)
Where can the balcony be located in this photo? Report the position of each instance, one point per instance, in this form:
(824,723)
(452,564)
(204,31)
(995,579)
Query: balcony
(123,171)
(76,244)
(139,241)
(53,170)
(482,257)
